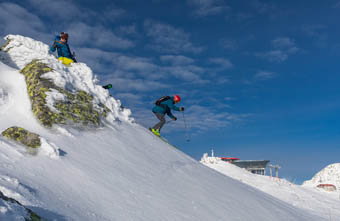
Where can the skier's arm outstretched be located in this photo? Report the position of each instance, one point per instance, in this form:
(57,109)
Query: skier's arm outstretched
(172,106)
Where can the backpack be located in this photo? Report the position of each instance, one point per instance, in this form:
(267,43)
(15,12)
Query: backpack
(160,100)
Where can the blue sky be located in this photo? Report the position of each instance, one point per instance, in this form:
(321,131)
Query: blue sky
(258,79)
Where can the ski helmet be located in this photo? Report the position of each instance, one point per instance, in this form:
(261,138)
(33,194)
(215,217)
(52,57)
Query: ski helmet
(177,98)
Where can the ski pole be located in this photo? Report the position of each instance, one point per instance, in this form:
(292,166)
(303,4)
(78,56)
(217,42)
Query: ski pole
(186,128)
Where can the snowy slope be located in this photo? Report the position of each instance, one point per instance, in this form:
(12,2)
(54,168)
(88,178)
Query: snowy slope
(328,175)
(316,201)
(117,172)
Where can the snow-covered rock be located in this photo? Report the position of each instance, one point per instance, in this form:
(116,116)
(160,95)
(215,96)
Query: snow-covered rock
(11,209)
(59,94)
(209,160)
(328,175)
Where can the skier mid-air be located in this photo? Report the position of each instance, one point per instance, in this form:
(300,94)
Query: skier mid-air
(163,106)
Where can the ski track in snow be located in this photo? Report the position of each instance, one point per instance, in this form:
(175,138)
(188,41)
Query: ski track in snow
(118,172)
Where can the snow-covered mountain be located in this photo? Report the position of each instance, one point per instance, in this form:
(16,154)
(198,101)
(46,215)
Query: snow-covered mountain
(315,200)
(93,162)
(328,175)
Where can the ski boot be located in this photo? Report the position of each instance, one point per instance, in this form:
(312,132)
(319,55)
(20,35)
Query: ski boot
(155,132)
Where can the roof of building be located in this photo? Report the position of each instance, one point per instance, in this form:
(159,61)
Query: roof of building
(253,164)
(324,184)
(229,158)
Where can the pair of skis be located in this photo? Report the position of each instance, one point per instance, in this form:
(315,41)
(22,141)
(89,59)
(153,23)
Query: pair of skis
(165,140)
(162,138)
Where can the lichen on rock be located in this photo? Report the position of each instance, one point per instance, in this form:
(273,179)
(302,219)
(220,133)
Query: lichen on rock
(37,88)
(22,136)
(77,108)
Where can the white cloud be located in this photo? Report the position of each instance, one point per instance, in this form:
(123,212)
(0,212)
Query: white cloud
(229,99)
(283,42)
(113,12)
(204,8)
(65,11)
(62,16)
(128,85)
(228,43)
(17,20)
(127,30)
(121,65)
(222,80)
(274,56)
(189,73)
(242,16)
(314,30)
(61,10)
(176,60)
(318,33)
(73,18)
(130,96)
(168,39)
(97,54)
(132,99)
(282,48)
(203,118)
(264,75)
(98,60)
(262,7)
(182,67)
(96,36)
(222,62)
(142,66)
(132,67)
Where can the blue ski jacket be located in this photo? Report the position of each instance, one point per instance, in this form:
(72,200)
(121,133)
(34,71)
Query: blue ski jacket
(165,107)
(62,48)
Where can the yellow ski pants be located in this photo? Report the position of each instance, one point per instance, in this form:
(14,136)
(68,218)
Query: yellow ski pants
(66,61)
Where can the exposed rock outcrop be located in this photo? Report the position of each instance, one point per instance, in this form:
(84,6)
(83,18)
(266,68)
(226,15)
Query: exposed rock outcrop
(22,136)
(76,107)
(31,216)
(2,48)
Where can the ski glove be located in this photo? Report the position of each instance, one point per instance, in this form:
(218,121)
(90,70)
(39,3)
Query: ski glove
(174,118)
(181,108)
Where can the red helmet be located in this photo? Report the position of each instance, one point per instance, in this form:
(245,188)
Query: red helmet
(177,98)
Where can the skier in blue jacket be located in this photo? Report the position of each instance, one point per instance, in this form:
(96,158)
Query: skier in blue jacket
(63,50)
(163,106)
